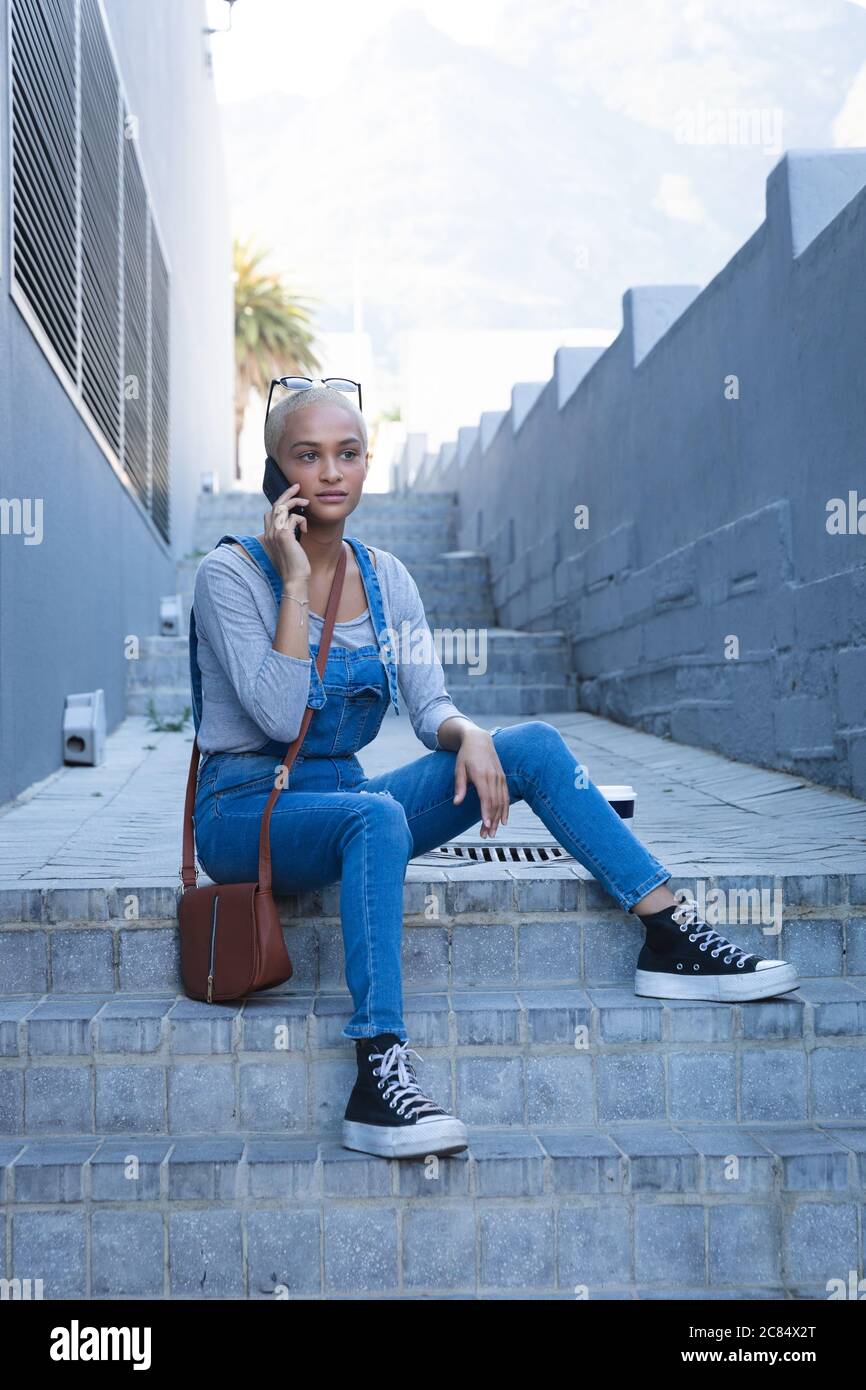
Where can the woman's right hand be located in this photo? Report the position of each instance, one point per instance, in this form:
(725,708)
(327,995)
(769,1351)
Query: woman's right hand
(287,553)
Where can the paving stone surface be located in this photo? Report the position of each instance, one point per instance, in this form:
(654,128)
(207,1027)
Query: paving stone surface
(699,812)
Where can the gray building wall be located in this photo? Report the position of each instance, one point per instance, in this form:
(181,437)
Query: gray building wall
(67,605)
(707,516)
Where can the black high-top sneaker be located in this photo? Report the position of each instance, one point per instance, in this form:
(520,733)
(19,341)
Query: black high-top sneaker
(683,958)
(388,1113)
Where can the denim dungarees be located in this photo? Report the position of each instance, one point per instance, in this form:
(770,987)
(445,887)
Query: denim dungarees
(349,704)
(365,830)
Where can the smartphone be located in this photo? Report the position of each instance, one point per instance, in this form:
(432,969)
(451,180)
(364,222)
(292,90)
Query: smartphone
(275,484)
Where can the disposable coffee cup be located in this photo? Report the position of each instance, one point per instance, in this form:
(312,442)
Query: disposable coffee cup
(622,799)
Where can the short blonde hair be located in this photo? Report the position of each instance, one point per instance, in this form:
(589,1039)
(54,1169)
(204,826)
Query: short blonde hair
(275,425)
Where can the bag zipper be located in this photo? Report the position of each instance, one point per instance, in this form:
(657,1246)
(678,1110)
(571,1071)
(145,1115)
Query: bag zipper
(213,927)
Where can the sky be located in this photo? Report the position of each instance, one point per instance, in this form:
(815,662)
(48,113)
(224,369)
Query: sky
(637,48)
(494,165)
(276,44)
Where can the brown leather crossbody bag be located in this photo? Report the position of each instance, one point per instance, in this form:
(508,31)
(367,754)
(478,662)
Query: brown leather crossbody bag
(231,940)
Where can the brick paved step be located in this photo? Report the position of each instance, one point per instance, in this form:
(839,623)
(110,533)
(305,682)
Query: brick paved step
(606,1168)
(600,1212)
(503,924)
(559,1056)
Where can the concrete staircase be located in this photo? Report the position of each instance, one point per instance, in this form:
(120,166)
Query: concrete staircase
(619,1147)
(527,673)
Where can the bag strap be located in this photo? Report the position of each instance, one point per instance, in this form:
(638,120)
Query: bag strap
(188,873)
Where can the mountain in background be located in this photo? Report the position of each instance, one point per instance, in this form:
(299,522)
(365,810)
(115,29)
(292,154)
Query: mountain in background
(480,189)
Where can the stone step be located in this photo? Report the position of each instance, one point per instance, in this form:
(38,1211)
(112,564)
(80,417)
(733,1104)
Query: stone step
(448,603)
(556,1056)
(455,589)
(410,525)
(524,673)
(655,1211)
(397,503)
(501,923)
(619,1147)
(395,514)
(459,565)
(464,572)
(522,667)
(168,657)
(463,615)
(166,703)
(185,570)
(531,699)
(410,544)
(386,503)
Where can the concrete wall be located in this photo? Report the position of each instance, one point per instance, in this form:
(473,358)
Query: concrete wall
(708,516)
(67,604)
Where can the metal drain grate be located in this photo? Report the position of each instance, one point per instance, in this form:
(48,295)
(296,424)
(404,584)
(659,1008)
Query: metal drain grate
(457,854)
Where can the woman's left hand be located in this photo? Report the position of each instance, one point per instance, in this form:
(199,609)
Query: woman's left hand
(478,763)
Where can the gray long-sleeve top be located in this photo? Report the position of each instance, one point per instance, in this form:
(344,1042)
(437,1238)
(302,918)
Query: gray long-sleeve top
(250,692)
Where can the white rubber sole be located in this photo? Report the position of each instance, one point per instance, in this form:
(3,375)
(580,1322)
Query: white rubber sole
(724,989)
(446,1136)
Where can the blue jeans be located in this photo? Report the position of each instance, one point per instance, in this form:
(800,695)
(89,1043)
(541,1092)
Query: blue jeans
(332,823)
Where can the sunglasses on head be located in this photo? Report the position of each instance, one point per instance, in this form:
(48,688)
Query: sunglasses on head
(303,383)
(275,484)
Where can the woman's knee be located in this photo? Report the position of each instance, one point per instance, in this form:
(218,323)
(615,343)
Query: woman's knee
(532,739)
(527,751)
(382,814)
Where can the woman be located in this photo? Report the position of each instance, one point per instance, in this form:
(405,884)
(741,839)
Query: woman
(259,603)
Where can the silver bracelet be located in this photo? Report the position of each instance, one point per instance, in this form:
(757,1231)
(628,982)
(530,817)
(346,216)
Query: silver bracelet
(301,601)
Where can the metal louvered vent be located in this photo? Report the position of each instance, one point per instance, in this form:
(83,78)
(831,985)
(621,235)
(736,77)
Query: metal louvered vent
(100,232)
(135,329)
(159,385)
(44,165)
(88,271)
(455,855)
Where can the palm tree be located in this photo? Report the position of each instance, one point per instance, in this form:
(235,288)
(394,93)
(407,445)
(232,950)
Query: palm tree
(273,334)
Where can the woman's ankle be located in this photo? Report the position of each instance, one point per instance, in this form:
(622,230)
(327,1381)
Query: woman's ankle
(656,901)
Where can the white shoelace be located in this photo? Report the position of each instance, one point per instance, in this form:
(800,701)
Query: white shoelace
(403,1087)
(687,916)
